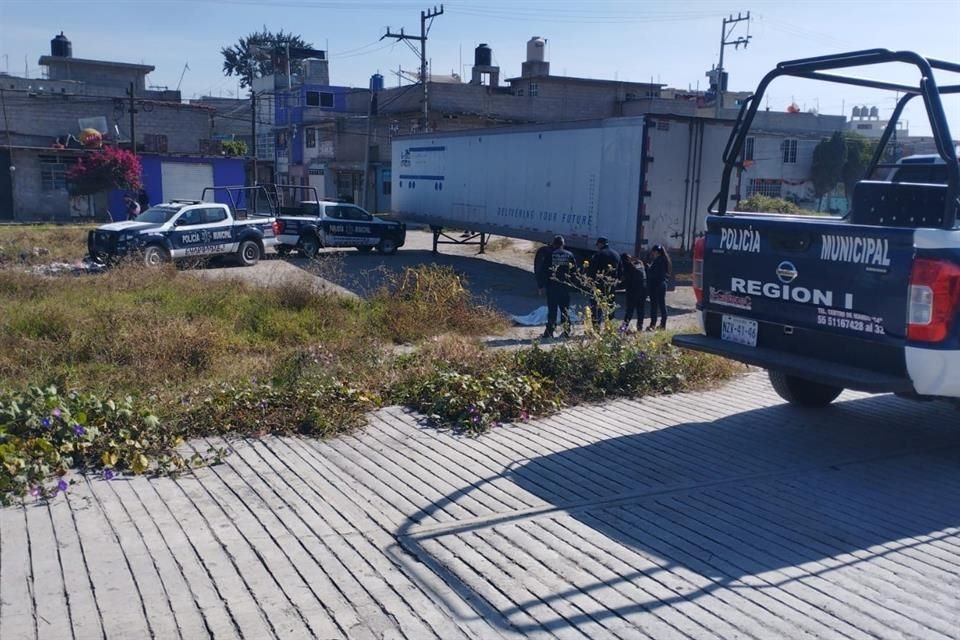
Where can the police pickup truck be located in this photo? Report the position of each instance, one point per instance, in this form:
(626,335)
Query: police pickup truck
(870,301)
(183,229)
(316,224)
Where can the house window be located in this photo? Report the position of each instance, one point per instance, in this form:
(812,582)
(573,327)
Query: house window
(748,150)
(53,174)
(265,146)
(864,126)
(322,99)
(532,89)
(520,92)
(790,151)
(765,187)
(311,138)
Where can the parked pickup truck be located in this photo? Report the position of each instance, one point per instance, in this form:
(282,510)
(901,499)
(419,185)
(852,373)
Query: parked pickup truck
(183,229)
(315,224)
(870,301)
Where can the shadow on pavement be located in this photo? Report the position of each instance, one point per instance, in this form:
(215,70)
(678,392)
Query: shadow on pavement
(745,496)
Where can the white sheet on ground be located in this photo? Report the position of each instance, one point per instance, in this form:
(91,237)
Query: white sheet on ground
(539,317)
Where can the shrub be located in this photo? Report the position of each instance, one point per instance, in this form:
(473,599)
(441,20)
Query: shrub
(430,299)
(765,204)
(105,169)
(45,432)
(318,406)
(476,402)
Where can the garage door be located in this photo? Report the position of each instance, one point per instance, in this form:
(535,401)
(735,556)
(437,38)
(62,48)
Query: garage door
(185,181)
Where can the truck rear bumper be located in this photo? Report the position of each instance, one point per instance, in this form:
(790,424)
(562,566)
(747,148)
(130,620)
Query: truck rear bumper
(813,369)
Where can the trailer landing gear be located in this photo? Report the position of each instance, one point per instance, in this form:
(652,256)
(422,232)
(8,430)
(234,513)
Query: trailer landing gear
(468,237)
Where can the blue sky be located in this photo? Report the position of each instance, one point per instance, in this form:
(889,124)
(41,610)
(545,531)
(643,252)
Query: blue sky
(670,42)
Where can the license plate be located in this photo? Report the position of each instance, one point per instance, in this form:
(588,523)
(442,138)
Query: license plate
(739,330)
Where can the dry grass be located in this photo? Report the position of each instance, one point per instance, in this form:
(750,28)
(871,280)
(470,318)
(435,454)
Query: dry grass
(143,331)
(42,243)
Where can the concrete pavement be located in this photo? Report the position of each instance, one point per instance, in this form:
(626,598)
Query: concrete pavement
(723,514)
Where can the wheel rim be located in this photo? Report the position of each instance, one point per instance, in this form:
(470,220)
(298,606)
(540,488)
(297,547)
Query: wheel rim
(251,252)
(154,259)
(310,248)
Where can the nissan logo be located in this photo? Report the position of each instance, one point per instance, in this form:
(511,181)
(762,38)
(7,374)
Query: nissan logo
(786,272)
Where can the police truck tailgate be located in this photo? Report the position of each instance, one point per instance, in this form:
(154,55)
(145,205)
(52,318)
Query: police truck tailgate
(801,294)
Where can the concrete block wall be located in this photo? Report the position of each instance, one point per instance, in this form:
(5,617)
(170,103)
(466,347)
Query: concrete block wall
(37,121)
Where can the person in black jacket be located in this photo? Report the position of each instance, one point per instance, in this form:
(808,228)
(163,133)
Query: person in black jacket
(604,272)
(658,276)
(555,276)
(633,275)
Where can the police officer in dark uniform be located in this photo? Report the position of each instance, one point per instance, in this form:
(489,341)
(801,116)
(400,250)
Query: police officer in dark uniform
(555,275)
(604,272)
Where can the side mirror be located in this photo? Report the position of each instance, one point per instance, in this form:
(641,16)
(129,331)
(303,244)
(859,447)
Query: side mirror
(179,222)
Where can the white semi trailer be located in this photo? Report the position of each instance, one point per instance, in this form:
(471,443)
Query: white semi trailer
(639,181)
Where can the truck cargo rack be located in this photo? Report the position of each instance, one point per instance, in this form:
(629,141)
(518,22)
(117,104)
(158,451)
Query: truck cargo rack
(467,238)
(258,200)
(816,68)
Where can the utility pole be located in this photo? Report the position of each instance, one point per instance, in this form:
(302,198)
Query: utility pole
(253,131)
(133,122)
(428,14)
(726,42)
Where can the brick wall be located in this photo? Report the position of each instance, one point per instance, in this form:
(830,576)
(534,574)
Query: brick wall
(37,121)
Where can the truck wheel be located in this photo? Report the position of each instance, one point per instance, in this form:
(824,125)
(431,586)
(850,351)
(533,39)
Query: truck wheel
(249,253)
(364,248)
(804,393)
(309,247)
(155,256)
(387,246)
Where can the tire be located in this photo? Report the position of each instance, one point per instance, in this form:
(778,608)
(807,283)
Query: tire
(248,253)
(387,246)
(365,249)
(309,247)
(155,256)
(801,392)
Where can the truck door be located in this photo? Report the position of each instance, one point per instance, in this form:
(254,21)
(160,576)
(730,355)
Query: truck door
(202,231)
(361,229)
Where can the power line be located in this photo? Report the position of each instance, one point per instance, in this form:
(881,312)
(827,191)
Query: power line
(428,14)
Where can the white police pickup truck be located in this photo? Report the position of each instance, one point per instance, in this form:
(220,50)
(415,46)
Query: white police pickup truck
(183,229)
(316,224)
(870,301)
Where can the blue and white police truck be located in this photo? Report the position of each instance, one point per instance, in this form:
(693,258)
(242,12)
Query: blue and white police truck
(316,224)
(182,229)
(870,301)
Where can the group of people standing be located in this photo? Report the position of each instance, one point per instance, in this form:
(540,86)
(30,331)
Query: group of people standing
(557,272)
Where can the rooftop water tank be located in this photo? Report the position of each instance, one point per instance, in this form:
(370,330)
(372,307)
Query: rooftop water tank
(856,112)
(874,113)
(60,47)
(536,49)
(376,82)
(482,56)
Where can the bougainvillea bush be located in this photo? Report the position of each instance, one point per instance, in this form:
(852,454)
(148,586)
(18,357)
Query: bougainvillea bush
(103,170)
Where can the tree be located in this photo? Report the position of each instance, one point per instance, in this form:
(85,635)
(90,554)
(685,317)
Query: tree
(859,153)
(257,53)
(234,148)
(827,169)
(103,170)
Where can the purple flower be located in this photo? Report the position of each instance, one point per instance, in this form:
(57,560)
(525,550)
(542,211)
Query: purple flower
(77,429)
(476,419)
(45,423)
(62,485)
(108,474)
(56,413)
(35,492)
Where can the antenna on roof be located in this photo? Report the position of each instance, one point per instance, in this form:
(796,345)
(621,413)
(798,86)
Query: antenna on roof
(186,67)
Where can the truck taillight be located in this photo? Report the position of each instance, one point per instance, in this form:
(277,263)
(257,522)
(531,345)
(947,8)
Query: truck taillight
(933,299)
(698,250)
(277,227)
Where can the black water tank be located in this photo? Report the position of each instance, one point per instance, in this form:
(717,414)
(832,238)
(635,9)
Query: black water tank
(60,47)
(482,56)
